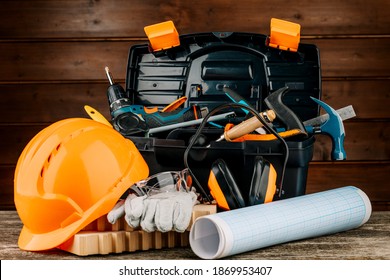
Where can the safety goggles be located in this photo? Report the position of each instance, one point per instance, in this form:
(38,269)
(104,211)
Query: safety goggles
(169,181)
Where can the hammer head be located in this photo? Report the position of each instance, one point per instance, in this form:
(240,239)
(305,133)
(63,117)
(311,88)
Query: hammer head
(333,127)
(283,113)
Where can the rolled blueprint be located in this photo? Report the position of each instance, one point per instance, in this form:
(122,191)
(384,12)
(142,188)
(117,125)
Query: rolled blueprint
(254,227)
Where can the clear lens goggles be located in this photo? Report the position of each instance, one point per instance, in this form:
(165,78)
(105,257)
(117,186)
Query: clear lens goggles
(170,181)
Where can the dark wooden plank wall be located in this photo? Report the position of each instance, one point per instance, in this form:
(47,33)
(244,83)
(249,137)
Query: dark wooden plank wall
(53,55)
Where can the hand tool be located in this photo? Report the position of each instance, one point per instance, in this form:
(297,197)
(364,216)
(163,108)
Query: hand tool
(246,126)
(278,109)
(121,109)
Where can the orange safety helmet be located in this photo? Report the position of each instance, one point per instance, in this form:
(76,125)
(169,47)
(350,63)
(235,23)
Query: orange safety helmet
(71,173)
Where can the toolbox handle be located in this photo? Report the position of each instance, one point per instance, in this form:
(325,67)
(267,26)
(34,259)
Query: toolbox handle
(215,48)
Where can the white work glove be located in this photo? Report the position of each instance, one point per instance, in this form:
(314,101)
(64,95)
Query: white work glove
(116,212)
(163,211)
(167,211)
(134,204)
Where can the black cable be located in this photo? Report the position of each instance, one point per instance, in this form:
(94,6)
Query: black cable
(257,115)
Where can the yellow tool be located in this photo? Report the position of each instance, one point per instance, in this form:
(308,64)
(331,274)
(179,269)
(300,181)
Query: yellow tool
(96,115)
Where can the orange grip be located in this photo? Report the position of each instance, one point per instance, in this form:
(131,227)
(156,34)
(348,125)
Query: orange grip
(150,110)
(271,188)
(216,192)
(175,104)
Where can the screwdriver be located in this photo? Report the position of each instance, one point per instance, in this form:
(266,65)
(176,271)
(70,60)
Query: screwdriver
(247,126)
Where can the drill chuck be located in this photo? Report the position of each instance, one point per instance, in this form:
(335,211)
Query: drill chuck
(116,95)
(116,98)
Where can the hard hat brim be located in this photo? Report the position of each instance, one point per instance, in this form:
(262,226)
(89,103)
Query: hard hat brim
(30,241)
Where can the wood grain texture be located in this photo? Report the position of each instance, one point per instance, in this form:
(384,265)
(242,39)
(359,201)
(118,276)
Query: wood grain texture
(49,102)
(56,61)
(370,98)
(122,18)
(357,57)
(371,177)
(75,61)
(369,242)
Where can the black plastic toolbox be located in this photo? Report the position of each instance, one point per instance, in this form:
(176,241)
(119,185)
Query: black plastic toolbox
(199,68)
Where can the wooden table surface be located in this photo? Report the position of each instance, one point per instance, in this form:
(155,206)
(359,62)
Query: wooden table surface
(369,242)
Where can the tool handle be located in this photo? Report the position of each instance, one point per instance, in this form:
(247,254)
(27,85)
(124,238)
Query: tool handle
(247,126)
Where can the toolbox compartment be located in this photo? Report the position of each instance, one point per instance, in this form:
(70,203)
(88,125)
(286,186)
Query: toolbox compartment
(198,69)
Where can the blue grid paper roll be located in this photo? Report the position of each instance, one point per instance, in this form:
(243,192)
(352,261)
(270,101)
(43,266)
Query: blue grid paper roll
(245,229)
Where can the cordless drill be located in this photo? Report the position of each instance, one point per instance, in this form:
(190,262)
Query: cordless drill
(130,119)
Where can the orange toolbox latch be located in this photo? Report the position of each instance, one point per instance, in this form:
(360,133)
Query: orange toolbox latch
(162,36)
(285,35)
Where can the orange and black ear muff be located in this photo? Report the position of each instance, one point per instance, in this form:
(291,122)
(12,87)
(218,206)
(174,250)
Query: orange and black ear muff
(263,184)
(223,188)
